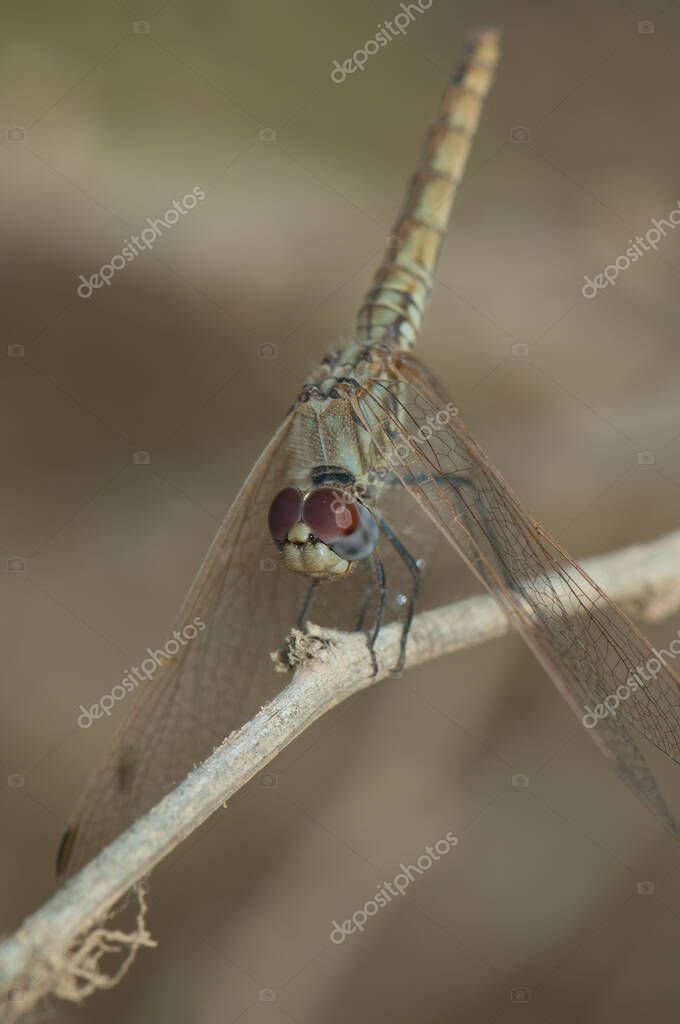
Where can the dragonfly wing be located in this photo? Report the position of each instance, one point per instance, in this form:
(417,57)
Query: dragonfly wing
(243,604)
(586,643)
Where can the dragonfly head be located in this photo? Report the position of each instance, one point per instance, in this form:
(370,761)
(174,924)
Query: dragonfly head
(322,533)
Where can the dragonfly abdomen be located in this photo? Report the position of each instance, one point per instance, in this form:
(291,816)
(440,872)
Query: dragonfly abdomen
(395,305)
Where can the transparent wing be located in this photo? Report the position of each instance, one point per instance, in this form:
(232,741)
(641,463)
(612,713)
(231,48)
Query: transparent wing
(247,604)
(587,644)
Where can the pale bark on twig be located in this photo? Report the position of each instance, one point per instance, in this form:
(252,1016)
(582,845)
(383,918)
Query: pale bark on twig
(37,960)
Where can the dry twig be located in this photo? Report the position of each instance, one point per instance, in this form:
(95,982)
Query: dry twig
(46,953)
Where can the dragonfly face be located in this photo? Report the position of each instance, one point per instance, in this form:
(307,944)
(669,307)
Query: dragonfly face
(322,533)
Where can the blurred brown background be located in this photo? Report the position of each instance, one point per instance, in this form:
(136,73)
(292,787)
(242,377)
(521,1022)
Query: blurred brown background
(122,108)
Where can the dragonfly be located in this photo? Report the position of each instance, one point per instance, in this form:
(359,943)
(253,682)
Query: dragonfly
(372,429)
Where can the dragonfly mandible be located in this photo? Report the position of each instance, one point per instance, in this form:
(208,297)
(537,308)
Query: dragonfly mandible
(369,421)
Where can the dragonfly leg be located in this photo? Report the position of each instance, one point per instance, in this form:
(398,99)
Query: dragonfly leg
(368,566)
(456,479)
(413,567)
(379,572)
(304,610)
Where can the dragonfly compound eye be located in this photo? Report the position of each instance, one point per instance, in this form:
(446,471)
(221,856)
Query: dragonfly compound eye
(284,512)
(341,522)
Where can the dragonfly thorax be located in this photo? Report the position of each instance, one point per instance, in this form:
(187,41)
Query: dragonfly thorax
(344,366)
(322,533)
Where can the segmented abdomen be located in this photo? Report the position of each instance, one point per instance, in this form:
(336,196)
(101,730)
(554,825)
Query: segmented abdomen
(395,305)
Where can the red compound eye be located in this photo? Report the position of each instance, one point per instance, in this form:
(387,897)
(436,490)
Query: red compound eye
(284,512)
(329,514)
